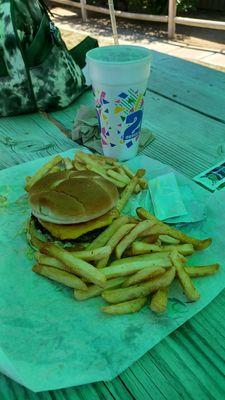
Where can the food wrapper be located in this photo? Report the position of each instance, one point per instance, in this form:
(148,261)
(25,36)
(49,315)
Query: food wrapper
(50,341)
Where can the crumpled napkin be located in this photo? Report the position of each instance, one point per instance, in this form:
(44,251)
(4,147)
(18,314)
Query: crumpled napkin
(86,132)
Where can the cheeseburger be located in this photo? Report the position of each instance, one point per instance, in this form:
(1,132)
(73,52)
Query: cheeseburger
(72,206)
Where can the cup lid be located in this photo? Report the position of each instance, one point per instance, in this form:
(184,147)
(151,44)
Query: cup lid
(119,54)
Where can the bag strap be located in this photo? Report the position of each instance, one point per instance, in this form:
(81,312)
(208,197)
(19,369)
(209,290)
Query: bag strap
(45,8)
(13,54)
(10,44)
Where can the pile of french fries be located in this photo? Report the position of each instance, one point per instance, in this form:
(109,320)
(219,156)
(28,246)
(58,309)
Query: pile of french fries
(134,261)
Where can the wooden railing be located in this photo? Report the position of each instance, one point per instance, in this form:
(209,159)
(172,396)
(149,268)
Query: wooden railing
(171,19)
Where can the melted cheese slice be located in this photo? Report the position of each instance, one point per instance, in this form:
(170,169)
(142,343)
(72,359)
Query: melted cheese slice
(74,231)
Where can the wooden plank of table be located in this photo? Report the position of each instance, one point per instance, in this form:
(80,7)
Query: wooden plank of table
(197,87)
(25,138)
(185,139)
(188,364)
(191,71)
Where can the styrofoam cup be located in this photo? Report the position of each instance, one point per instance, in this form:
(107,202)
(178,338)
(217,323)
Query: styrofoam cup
(119,76)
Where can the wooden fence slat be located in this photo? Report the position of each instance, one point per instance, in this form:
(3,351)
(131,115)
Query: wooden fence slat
(83,10)
(172,9)
(201,23)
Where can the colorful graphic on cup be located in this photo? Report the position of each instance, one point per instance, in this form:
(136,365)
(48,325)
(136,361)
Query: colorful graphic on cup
(119,76)
(122,115)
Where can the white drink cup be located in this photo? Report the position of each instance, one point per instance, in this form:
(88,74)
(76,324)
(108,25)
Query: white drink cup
(119,76)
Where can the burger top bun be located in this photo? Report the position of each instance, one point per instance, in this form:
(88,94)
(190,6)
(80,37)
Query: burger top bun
(72,197)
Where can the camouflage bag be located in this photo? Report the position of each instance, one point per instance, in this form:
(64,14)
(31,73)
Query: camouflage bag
(37,72)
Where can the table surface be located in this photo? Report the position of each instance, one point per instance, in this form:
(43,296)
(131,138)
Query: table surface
(185,109)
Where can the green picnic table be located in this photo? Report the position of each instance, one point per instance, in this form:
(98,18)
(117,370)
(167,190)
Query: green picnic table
(185,109)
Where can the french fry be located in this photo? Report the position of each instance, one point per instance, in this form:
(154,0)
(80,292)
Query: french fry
(103,238)
(108,160)
(190,291)
(143,275)
(143,183)
(168,239)
(99,171)
(115,282)
(49,261)
(199,271)
(126,307)
(75,265)
(117,176)
(101,161)
(106,166)
(79,166)
(43,171)
(54,169)
(133,220)
(68,163)
(114,240)
(127,240)
(162,228)
(150,239)
(83,157)
(186,249)
(143,289)
(130,265)
(86,255)
(144,214)
(159,300)
(57,275)
(128,171)
(121,170)
(144,248)
(94,166)
(94,254)
(129,190)
(94,290)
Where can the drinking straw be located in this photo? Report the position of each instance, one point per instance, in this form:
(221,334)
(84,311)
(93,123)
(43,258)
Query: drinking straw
(113,21)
